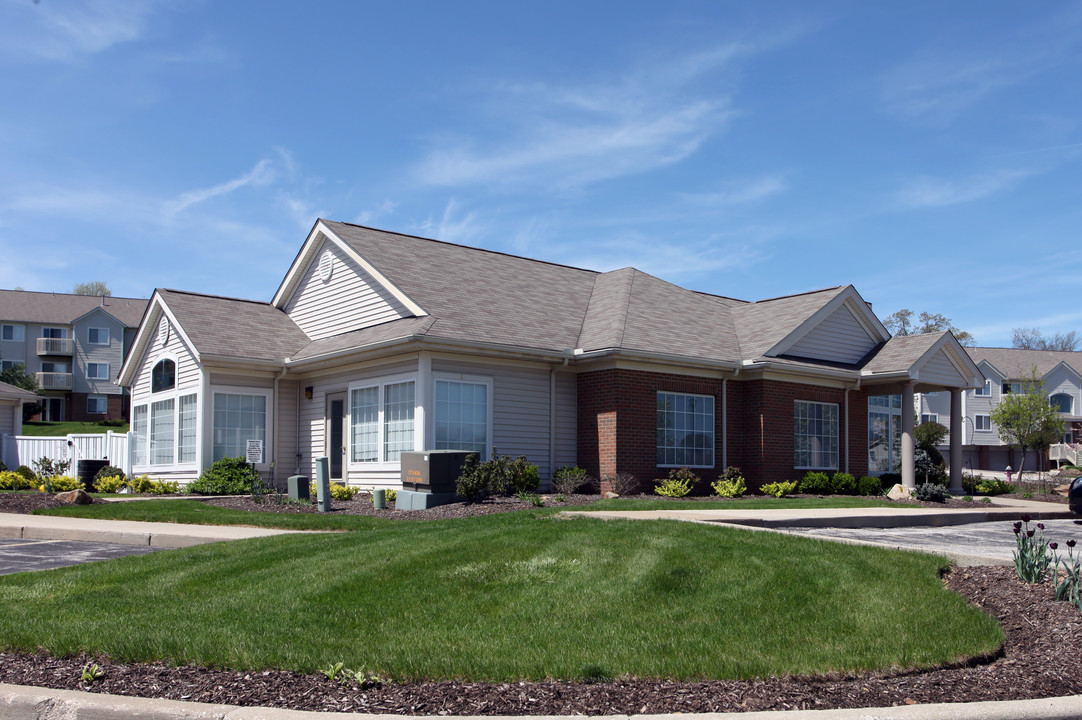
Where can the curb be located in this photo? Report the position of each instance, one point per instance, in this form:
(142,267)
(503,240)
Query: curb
(18,702)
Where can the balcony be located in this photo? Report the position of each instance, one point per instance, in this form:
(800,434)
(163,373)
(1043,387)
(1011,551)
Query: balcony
(56,346)
(54,380)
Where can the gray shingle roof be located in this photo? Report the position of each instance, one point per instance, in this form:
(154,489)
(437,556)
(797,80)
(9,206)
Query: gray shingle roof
(899,353)
(762,325)
(38,307)
(1017,364)
(12,392)
(235,328)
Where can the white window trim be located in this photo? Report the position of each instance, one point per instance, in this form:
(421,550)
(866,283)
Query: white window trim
(63,331)
(988,418)
(236,390)
(381,382)
(932,417)
(489,417)
(837,437)
(713,429)
(14,332)
(985,392)
(108,336)
(174,393)
(103,398)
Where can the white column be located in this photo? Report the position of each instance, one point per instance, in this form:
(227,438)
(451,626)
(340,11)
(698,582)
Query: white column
(956,442)
(909,474)
(424,404)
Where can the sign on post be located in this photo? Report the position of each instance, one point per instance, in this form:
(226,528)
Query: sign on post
(254,452)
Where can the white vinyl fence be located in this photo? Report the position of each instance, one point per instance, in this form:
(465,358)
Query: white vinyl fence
(24,450)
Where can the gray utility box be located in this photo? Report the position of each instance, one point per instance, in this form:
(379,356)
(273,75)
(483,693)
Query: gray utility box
(432,471)
(297,487)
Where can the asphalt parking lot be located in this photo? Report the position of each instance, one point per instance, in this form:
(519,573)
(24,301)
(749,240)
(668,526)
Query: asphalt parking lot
(26,555)
(975,544)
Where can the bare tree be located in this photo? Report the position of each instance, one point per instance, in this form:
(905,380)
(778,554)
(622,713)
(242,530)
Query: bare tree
(94,287)
(1032,339)
(902,323)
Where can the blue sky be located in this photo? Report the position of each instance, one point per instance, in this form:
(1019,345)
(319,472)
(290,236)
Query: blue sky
(929,153)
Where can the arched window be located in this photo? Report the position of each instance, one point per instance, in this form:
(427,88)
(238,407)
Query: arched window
(164,376)
(1061,402)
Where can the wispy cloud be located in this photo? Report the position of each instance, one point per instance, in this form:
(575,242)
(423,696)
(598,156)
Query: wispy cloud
(560,136)
(940,192)
(63,31)
(371,215)
(262,174)
(454,225)
(740,192)
(943,87)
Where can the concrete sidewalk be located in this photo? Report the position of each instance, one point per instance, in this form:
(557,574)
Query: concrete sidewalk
(124,532)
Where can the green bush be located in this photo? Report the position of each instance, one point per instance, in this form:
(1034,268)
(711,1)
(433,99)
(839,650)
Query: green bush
(141,484)
(679,483)
(3,466)
(391,495)
(568,479)
(869,485)
(163,487)
(501,476)
(472,482)
(932,492)
(524,476)
(110,483)
(729,488)
(994,487)
(342,492)
(779,489)
(228,476)
(815,483)
(26,472)
(108,471)
(842,483)
(63,483)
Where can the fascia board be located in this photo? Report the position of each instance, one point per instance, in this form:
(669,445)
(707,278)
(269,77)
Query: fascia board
(307,255)
(851,299)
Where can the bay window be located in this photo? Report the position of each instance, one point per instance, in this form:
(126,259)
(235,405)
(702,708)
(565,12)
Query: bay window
(238,418)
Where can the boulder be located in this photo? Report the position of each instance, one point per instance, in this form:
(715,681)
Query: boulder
(899,492)
(75,497)
(611,495)
(1063,489)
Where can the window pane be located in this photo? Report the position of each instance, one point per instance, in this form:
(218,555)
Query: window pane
(186,430)
(462,416)
(815,435)
(397,420)
(139,431)
(685,430)
(234,427)
(161,432)
(364,425)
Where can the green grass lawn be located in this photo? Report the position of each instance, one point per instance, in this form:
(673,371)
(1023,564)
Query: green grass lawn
(59,429)
(526,595)
(757,502)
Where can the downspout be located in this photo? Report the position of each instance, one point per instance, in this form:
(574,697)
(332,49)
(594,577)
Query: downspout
(725,417)
(552,418)
(274,435)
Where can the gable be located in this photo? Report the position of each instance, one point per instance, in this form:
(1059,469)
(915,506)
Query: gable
(839,337)
(335,295)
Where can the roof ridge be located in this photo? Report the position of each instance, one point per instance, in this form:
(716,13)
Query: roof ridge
(799,294)
(464,247)
(73,295)
(213,296)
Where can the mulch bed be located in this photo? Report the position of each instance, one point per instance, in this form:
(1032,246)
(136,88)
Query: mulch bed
(1042,657)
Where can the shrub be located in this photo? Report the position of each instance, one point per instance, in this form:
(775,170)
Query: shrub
(472,483)
(108,471)
(47,467)
(63,483)
(110,483)
(842,483)
(391,495)
(522,475)
(926,468)
(869,485)
(779,489)
(678,484)
(3,466)
(342,492)
(142,484)
(26,472)
(163,487)
(621,483)
(115,422)
(500,475)
(568,479)
(932,492)
(228,476)
(815,483)
(994,487)
(729,488)
(11,480)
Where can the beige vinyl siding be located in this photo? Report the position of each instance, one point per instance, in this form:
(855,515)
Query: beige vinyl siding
(1066,382)
(939,369)
(839,338)
(939,404)
(85,353)
(188,372)
(520,413)
(7,419)
(351,300)
(286,411)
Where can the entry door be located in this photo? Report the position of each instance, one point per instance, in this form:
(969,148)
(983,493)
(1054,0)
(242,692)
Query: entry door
(336,434)
(52,409)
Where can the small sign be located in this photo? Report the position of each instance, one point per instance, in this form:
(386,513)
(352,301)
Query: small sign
(254,453)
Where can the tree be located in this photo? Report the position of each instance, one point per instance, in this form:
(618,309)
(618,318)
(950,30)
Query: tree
(1027,419)
(902,323)
(18,376)
(1031,339)
(94,287)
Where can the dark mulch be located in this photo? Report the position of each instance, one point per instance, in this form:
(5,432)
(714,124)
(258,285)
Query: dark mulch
(1042,657)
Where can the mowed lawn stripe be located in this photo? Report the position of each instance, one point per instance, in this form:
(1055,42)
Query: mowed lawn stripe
(514,596)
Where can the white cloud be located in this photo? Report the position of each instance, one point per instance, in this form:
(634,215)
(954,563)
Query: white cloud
(940,192)
(262,174)
(63,31)
(573,135)
(740,193)
(371,215)
(453,225)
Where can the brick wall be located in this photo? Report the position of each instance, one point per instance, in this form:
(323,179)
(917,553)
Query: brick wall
(617,422)
(76,408)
